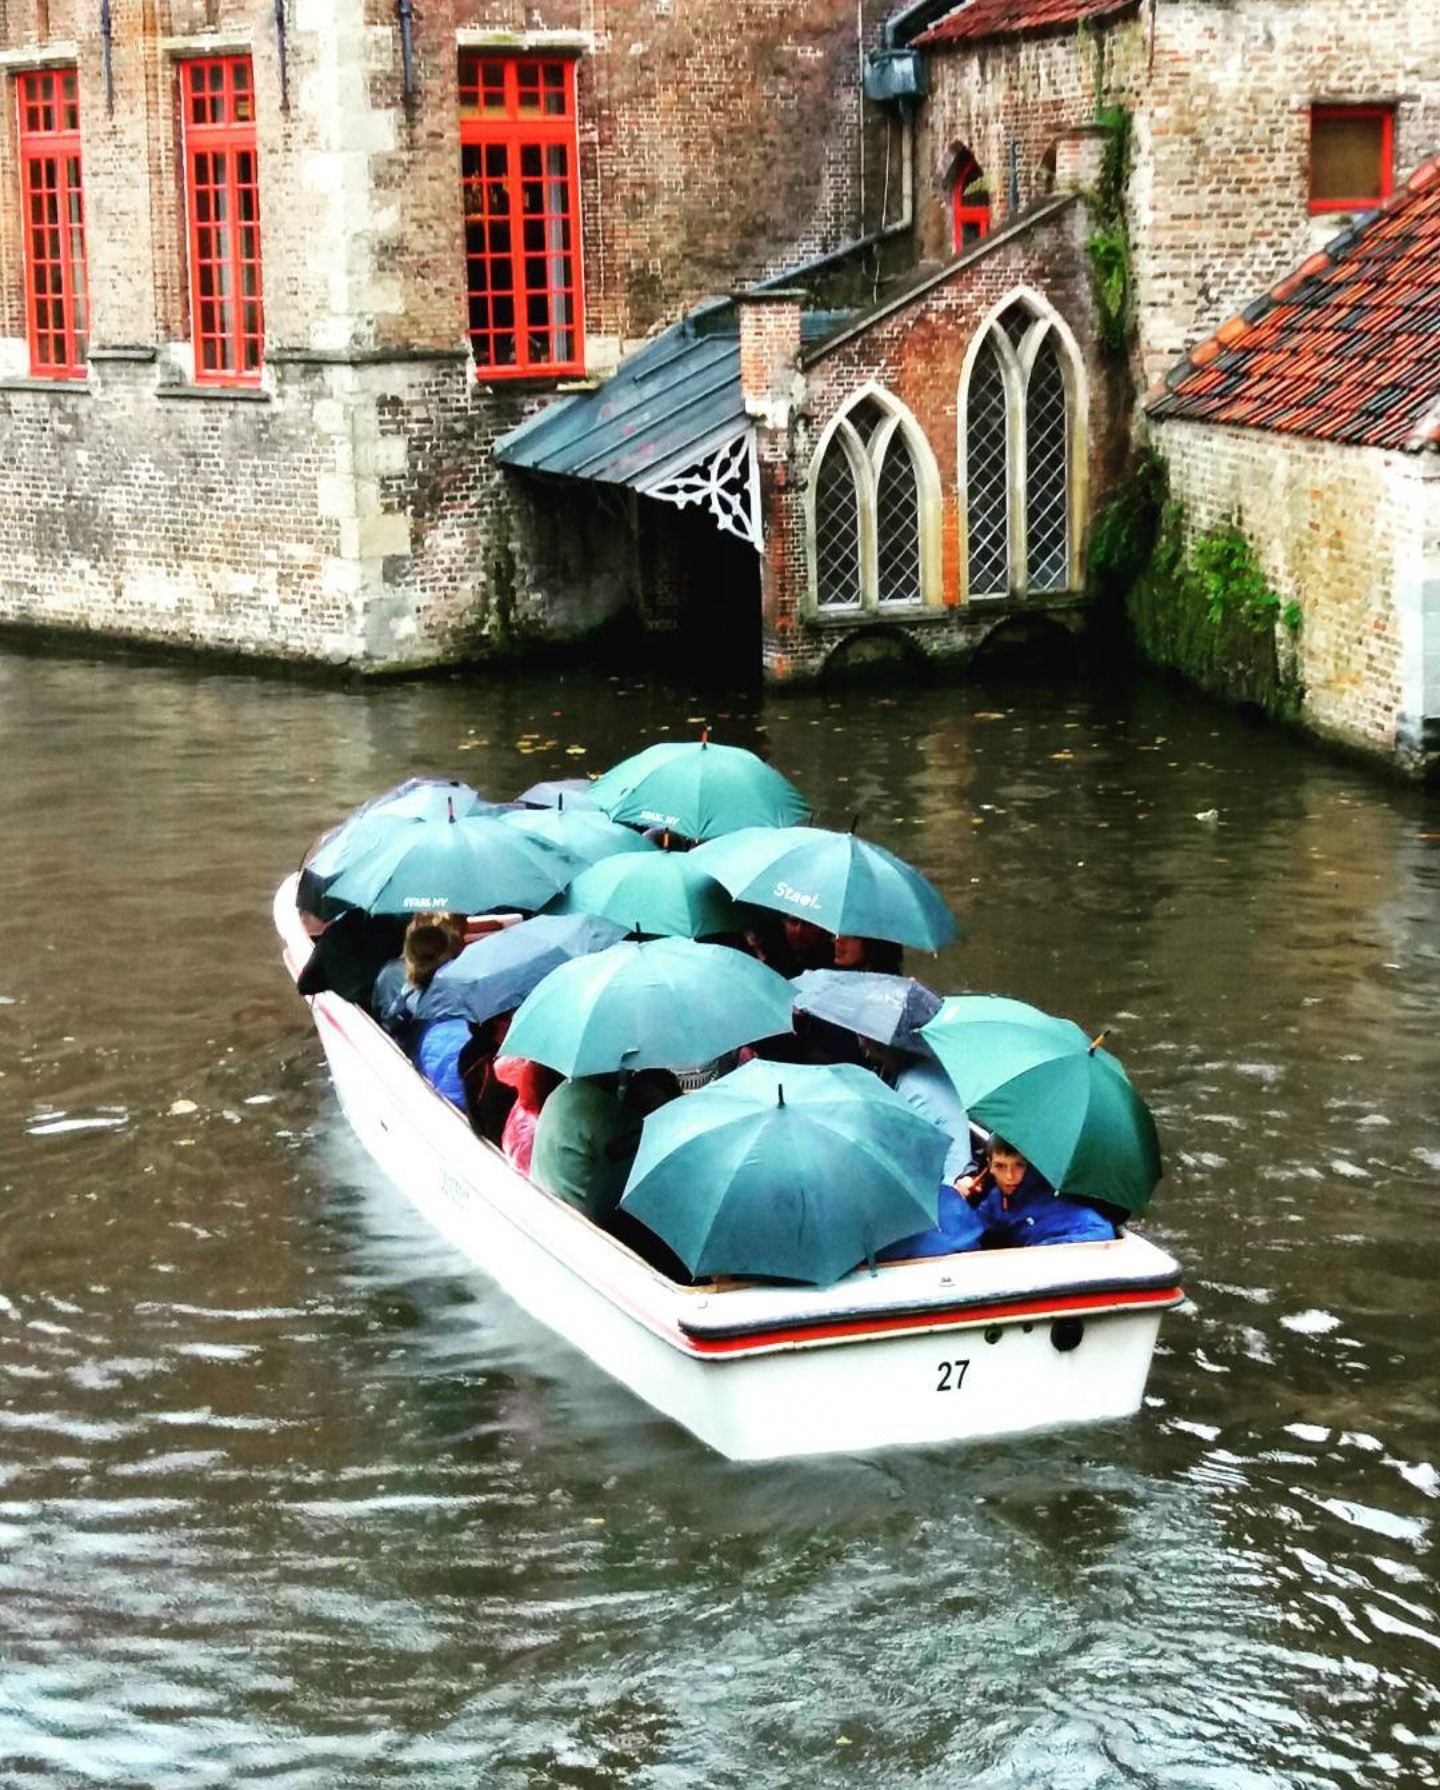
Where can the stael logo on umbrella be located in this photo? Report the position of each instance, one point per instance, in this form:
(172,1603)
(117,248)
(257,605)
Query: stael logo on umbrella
(783,892)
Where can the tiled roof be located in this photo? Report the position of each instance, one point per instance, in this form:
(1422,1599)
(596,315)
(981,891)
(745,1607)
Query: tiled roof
(1013,18)
(1346,349)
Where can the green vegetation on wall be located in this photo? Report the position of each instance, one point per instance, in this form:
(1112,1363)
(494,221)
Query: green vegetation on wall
(1109,244)
(1199,603)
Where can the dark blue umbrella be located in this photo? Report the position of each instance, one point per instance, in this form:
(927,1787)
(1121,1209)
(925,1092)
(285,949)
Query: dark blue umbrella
(889,1009)
(497,972)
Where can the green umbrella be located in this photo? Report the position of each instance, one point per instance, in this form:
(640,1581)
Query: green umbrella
(1065,1104)
(662,1004)
(465,866)
(835,880)
(698,789)
(581,831)
(662,893)
(792,1171)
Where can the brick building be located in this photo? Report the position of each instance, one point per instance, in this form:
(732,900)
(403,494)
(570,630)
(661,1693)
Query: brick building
(340,330)
(274,274)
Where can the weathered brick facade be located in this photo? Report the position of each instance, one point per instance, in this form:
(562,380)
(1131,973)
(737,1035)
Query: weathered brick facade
(347,509)
(1352,534)
(1220,98)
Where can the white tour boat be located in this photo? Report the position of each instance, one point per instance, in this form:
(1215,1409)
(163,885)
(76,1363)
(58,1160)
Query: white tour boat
(931,1350)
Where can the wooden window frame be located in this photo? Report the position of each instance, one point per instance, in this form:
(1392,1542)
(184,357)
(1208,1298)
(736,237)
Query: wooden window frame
(51,166)
(961,214)
(239,351)
(1330,114)
(512,127)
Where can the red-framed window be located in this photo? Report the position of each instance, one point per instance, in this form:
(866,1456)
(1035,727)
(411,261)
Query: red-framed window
(1352,157)
(521,192)
(969,204)
(222,192)
(56,299)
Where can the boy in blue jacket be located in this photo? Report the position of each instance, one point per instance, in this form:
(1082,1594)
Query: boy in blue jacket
(1017,1206)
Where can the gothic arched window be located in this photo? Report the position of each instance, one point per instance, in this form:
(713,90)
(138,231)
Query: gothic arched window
(874,510)
(1020,417)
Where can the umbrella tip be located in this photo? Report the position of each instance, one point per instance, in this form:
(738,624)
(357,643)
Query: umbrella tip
(779,1093)
(705,735)
(560,800)
(1098,1040)
(854,821)
(450,806)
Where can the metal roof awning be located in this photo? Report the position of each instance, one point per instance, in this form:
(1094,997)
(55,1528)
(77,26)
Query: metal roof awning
(669,423)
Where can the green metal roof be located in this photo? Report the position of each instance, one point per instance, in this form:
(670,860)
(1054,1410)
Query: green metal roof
(666,407)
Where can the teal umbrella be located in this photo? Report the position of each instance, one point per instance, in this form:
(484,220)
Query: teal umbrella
(662,893)
(835,880)
(418,801)
(454,866)
(589,836)
(786,1170)
(1064,1102)
(662,1004)
(699,789)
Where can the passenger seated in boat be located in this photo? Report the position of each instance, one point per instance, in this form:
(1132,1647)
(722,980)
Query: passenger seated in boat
(488,1099)
(959,1228)
(1018,1207)
(811,947)
(429,941)
(533,1083)
(881,956)
(580,1139)
(347,954)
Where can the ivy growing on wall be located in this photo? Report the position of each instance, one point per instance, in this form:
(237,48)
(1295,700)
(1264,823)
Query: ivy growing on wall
(1109,243)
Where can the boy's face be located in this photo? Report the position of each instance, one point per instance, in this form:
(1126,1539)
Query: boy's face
(1008,1167)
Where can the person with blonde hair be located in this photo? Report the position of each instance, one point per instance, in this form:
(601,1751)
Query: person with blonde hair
(430,940)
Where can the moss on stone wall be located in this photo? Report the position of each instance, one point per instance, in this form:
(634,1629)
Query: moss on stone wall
(1197,603)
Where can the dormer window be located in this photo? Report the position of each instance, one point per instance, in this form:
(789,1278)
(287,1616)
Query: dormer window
(1352,157)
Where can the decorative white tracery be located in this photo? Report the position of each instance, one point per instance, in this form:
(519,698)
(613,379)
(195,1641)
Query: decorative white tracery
(725,479)
(1021,417)
(873,510)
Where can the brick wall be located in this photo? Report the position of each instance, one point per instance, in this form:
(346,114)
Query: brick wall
(1335,529)
(1220,95)
(349,509)
(917,353)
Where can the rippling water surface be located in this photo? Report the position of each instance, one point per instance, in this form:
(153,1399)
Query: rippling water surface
(289,1497)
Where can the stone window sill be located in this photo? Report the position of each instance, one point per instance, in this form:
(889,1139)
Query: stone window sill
(72,387)
(908,613)
(225,394)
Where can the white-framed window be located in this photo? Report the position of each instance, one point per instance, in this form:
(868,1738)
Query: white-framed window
(1021,414)
(873,510)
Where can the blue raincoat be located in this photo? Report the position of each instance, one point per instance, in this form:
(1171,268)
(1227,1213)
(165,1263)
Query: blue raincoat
(1035,1213)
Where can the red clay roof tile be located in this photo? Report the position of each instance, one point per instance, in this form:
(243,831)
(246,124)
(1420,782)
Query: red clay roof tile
(975,19)
(1347,348)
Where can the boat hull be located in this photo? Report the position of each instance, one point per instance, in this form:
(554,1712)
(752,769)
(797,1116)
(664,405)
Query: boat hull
(934,1351)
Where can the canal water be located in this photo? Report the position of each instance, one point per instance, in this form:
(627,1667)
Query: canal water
(290,1497)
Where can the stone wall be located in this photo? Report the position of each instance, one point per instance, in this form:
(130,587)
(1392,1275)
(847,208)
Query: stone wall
(1352,534)
(347,508)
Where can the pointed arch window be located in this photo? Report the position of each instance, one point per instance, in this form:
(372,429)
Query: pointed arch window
(969,203)
(1021,469)
(874,510)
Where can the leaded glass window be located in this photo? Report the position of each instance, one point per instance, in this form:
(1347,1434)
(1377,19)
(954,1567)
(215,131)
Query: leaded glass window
(897,524)
(987,495)
(1046,468)
(837,531)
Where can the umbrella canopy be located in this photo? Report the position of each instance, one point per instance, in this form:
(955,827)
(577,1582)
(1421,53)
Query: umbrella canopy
(418,799)
(584,832)
(662,1004)
(834,880)
(662,893)
(791,1171)
(1065,1104)
(889,1009)
(559,792)
(700,790)
(495,974)
(454,866)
